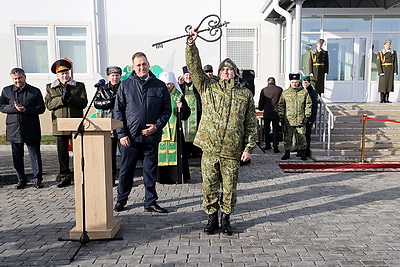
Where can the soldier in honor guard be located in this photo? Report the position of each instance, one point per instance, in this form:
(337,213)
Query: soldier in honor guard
(105,100)
(226,134)
(65,98)
(386,63)
(173,163)
(319,66)
(295,113)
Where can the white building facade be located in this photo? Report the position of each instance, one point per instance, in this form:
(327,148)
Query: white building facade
(268,37)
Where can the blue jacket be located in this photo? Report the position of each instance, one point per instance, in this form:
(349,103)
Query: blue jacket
(139,104)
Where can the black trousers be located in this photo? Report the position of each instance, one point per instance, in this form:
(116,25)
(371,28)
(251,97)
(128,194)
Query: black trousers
(63,155)
(36,160)
(275,132)
(129,157)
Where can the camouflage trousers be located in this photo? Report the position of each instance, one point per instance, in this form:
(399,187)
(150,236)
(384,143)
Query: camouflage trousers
(300,132)
(219,173)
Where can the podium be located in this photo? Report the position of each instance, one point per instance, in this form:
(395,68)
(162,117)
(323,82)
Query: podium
(98,187)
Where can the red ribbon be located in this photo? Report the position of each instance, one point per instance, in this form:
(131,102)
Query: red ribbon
(368,118)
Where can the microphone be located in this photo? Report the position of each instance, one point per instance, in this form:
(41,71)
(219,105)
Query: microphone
(101,82)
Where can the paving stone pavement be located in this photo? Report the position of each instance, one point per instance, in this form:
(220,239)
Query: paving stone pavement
(281,219)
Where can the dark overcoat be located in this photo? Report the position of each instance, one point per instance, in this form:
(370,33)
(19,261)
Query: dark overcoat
(22,127)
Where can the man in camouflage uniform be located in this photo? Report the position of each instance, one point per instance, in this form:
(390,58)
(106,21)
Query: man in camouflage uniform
(226,134)
(294,113)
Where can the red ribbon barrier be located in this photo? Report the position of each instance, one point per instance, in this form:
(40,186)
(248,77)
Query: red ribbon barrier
(368,118)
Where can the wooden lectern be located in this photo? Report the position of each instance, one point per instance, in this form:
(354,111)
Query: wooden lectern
(99,215)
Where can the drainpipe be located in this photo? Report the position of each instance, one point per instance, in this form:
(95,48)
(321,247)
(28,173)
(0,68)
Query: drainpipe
(95,37)
(288,17)
(297,36)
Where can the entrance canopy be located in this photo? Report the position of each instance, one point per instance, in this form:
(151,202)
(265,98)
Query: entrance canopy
(289,5)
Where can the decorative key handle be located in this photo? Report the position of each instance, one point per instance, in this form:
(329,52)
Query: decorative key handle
(214,30)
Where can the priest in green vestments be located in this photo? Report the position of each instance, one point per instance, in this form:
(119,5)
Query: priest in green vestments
(173,164)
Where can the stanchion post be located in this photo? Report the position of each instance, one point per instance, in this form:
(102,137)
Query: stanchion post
(364,132)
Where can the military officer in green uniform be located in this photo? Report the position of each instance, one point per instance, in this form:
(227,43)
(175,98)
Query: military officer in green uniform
(319,66)
(294,113)
(172,162)
(226,134)
(386,63)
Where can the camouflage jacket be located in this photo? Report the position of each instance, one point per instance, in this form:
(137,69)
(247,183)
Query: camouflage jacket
(228,124)
(294,105)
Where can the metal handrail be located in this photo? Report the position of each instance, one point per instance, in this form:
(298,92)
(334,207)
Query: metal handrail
(324,125)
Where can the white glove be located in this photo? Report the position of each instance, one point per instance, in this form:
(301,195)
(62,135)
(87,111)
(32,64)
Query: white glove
(311,74)
(382,74)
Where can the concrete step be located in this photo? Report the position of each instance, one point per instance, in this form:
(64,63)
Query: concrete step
(382,137)
(357,152)
(384,144)
(357,136)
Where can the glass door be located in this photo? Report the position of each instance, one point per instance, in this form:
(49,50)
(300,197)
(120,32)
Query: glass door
(346,79)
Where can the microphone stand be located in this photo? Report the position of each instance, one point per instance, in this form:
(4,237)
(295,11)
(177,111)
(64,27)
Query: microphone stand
(84,239)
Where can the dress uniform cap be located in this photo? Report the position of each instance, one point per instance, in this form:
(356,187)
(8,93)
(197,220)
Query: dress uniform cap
(294,76)
(60,65)
(208,68)
(388,41)
(230,64)
(114,69)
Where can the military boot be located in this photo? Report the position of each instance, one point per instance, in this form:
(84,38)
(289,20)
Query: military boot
(212,224)
(286,155)
(387,98)
(303,155)
(226,224)
(383,96)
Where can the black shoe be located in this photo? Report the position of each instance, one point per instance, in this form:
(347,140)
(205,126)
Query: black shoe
(226,224)
(276,150)
(267,147)
(212,224)
(21,185)
(303,155)
(39,185)
(155,208)
(64,182)
(286,155)
(119,206)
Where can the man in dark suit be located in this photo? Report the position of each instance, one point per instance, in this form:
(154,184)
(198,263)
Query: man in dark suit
(143,104)
(269,99)
(23,103)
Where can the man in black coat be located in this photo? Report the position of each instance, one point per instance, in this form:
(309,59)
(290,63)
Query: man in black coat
(269,99)
(23,103)
(105,100)
(143,104)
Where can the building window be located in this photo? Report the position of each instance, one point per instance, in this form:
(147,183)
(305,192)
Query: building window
(34,43)
(32,49)
(241,47)
(71,43)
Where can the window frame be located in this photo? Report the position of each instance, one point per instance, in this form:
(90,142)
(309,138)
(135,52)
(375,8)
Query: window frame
(53,46)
